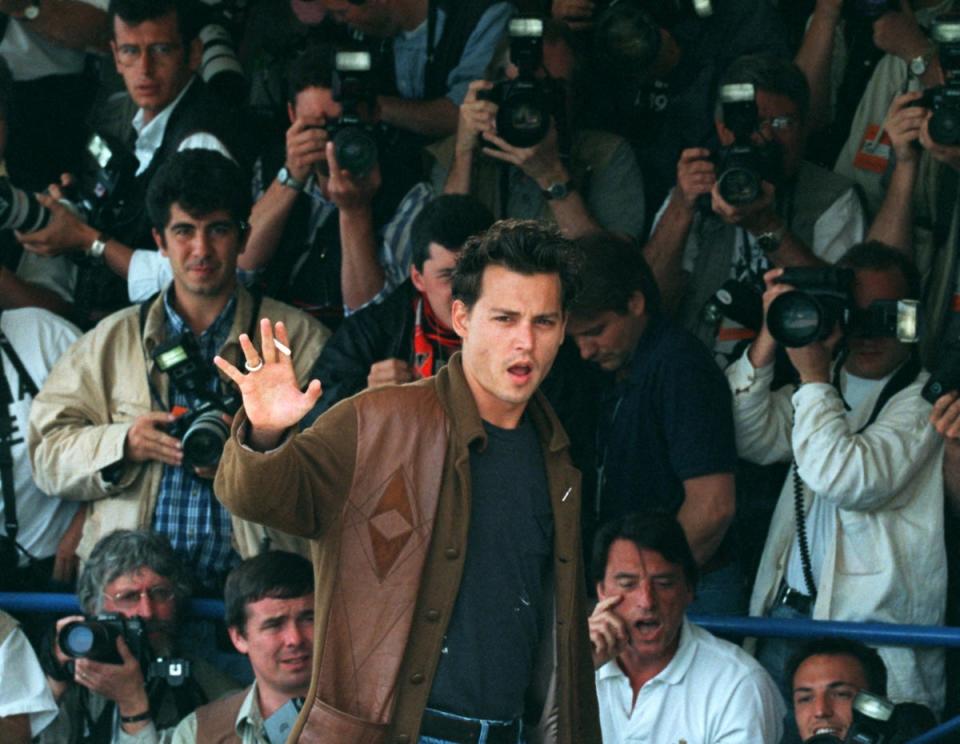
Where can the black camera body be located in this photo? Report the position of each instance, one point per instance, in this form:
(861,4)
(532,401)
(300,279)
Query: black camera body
(743,165)
(944,100)
(873,722)
(946,377)
(524,104)
(355,141)
(95,638)
(103,196)
(823,297)
(202,431)
(869,10)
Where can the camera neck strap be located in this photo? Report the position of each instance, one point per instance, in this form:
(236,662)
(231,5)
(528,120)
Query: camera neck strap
(7,424)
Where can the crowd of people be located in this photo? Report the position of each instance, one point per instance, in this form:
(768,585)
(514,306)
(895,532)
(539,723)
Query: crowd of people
(462,348)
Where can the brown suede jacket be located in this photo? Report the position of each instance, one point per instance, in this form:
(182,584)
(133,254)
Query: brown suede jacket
(381,483)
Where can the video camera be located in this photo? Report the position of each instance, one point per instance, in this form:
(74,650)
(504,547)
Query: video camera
(526,103)
(95,638)
(823,297)
(944,100)
(202,431)
(744,165)
(354,140)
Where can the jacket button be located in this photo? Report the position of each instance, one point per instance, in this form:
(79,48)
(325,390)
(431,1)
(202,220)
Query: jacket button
(433,615)
(403,739)
(452,553)
(417,678)
(563,558)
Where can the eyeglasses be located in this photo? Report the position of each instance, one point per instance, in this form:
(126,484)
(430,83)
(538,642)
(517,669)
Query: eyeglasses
(779,123)
(129,54)
(131,598)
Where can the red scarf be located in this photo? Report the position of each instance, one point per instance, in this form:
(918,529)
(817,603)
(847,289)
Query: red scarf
(433,342)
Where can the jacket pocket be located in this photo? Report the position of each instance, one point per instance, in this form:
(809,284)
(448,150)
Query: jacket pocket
(327,725)
(857,543)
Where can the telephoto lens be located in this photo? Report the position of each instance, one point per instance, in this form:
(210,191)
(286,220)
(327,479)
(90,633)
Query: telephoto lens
(20,210)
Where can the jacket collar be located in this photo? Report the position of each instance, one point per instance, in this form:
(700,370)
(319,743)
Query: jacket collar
(461,409)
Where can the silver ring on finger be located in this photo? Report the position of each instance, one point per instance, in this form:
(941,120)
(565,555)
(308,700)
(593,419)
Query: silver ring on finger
(253,367)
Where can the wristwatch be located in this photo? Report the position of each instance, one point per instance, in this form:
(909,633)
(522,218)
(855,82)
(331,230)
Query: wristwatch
(99,246)
(286,179)
(31,12)
(558,190)
(769,241)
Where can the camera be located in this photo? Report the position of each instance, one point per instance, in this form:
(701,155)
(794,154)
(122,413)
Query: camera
(944,100)
(524,104)
(823,297)
(112,169)
(872,722)
(744,165)
(20,210)
(354,140)
(95,638)
(220,67)
(202,431)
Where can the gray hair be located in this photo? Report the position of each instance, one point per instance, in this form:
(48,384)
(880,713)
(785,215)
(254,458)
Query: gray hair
(125,552)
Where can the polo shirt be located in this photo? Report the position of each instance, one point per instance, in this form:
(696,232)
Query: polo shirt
(711,691)
(669,421)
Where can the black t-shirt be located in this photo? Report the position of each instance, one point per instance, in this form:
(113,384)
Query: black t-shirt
(671,420)
(488,652)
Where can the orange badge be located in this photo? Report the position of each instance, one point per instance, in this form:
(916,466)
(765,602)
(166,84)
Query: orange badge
(874,152)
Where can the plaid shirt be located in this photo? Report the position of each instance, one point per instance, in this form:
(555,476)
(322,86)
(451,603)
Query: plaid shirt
(187,512)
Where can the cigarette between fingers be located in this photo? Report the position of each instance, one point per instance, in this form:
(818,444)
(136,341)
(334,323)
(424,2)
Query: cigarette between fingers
(281,348)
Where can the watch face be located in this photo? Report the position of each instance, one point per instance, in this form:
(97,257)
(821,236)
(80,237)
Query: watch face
(31,12)
(918,66)
(558,190)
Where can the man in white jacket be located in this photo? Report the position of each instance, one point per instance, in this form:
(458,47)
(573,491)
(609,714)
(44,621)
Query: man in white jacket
(867,477)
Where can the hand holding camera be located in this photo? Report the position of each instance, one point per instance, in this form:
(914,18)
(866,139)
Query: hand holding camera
(540,162)
(945,415)
(306,148)
(147,440)
(696,176)
(477,115)
(102,661)
(903,125)
(348,190)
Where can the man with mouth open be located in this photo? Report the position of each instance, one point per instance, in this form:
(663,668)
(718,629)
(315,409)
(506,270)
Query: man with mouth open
(659,677)
(445,515)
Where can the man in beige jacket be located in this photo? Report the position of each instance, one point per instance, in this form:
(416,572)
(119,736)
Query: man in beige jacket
(100,428)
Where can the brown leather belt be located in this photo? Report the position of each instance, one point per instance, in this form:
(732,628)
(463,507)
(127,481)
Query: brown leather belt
(440,726)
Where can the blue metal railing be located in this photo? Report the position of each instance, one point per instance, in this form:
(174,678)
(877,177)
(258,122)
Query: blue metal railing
(878,634)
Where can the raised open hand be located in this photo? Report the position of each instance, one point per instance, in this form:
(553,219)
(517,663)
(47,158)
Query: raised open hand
(271,397)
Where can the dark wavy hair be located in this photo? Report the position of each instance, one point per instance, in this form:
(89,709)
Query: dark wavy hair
(276,574)
(522,246)
(652,530)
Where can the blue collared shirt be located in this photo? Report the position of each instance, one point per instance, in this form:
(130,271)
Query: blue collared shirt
(187,512)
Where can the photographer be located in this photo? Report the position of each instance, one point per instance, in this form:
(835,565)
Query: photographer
(858,531)
(137,576)
(156,50)
(583,180)
(269,613)
(102,427)
(321,237)
(802,214)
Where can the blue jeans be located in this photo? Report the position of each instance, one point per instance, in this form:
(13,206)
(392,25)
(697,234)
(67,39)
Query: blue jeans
(485,726)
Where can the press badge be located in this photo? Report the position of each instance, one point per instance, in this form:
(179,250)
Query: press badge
(874,152)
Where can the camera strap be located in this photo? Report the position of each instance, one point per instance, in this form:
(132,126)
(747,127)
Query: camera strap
(28,387)
(901,379)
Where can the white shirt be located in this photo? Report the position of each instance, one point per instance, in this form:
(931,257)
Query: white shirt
(39,338)
(711,691)
(23,687)
(150,135)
